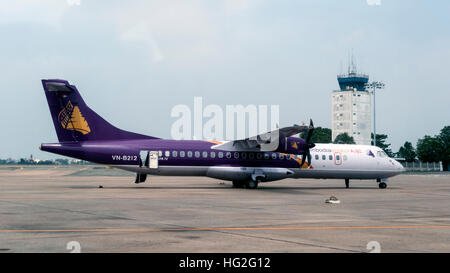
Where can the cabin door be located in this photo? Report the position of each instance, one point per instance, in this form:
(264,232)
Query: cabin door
(154,157)
(149,159)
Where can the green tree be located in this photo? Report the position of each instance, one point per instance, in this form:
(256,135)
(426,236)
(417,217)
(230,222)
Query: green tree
(344,138)
(320,135)
(437,148)
(444,137)
(407,151)
(429,149)
(381,142)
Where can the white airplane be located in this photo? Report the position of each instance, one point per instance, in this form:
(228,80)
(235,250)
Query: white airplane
(272,156)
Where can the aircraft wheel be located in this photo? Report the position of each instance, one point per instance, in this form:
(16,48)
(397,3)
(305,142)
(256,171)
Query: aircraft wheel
(347,183)
(238,184)
(382,185)
(252,184)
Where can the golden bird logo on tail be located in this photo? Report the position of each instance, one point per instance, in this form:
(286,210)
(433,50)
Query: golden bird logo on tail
(72,119)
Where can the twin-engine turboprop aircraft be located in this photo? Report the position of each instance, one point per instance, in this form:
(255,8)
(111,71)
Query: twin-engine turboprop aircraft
(85,135)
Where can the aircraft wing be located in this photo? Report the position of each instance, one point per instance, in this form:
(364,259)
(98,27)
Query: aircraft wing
(263,142)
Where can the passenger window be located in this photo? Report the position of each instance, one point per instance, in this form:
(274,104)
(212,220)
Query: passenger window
(236,155)
(197,154)
(281,156)
(316,157)
(205,154)
(330,157)
(174,153)
(266,155)
(244,155)
(159,153)
(274,156)
(189,153)
(338,157)
(324,157)
(344,157)
(220,155)
(167,153)
(182,153)
(258,156)
(228,154)
(213,154)
(251,155)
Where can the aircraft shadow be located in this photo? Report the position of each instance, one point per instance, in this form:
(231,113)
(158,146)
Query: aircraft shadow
(262,188)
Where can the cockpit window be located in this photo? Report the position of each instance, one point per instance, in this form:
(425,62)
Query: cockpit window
(381,154)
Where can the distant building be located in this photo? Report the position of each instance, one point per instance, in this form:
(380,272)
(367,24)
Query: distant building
(351,107)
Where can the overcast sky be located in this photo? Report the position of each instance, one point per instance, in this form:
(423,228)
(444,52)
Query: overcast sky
(135,60)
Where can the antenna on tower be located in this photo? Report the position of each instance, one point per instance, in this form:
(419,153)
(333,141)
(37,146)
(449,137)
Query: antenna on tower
(348,63)
(353,70)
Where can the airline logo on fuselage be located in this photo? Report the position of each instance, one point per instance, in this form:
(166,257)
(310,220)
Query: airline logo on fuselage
(71,118)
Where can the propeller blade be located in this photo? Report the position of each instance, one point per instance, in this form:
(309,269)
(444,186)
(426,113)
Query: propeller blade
(309,145)
(309,157)
(304,157)
(310,131)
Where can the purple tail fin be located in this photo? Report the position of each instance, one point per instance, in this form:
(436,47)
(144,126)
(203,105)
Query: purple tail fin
(74,120)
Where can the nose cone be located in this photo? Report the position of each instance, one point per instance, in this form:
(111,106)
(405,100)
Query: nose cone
(399,167)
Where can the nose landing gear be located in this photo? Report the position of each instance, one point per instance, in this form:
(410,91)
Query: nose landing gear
(381,183)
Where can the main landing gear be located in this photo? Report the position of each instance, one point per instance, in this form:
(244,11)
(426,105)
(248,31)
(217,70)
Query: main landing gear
(246,184)
(252,184)
(347,183)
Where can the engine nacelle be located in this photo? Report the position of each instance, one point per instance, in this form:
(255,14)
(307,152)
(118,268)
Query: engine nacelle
(291,145)
(248,173)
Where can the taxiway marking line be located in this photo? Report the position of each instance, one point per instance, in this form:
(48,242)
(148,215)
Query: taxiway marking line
(224,228)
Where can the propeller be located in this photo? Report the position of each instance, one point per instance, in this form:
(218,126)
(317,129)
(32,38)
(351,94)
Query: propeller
(309,144)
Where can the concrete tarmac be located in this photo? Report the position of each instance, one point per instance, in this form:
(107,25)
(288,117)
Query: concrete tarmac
(43,209)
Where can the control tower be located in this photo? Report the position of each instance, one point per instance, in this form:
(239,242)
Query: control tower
(351,107)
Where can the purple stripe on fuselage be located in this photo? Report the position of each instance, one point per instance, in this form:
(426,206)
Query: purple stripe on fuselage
(127,152)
